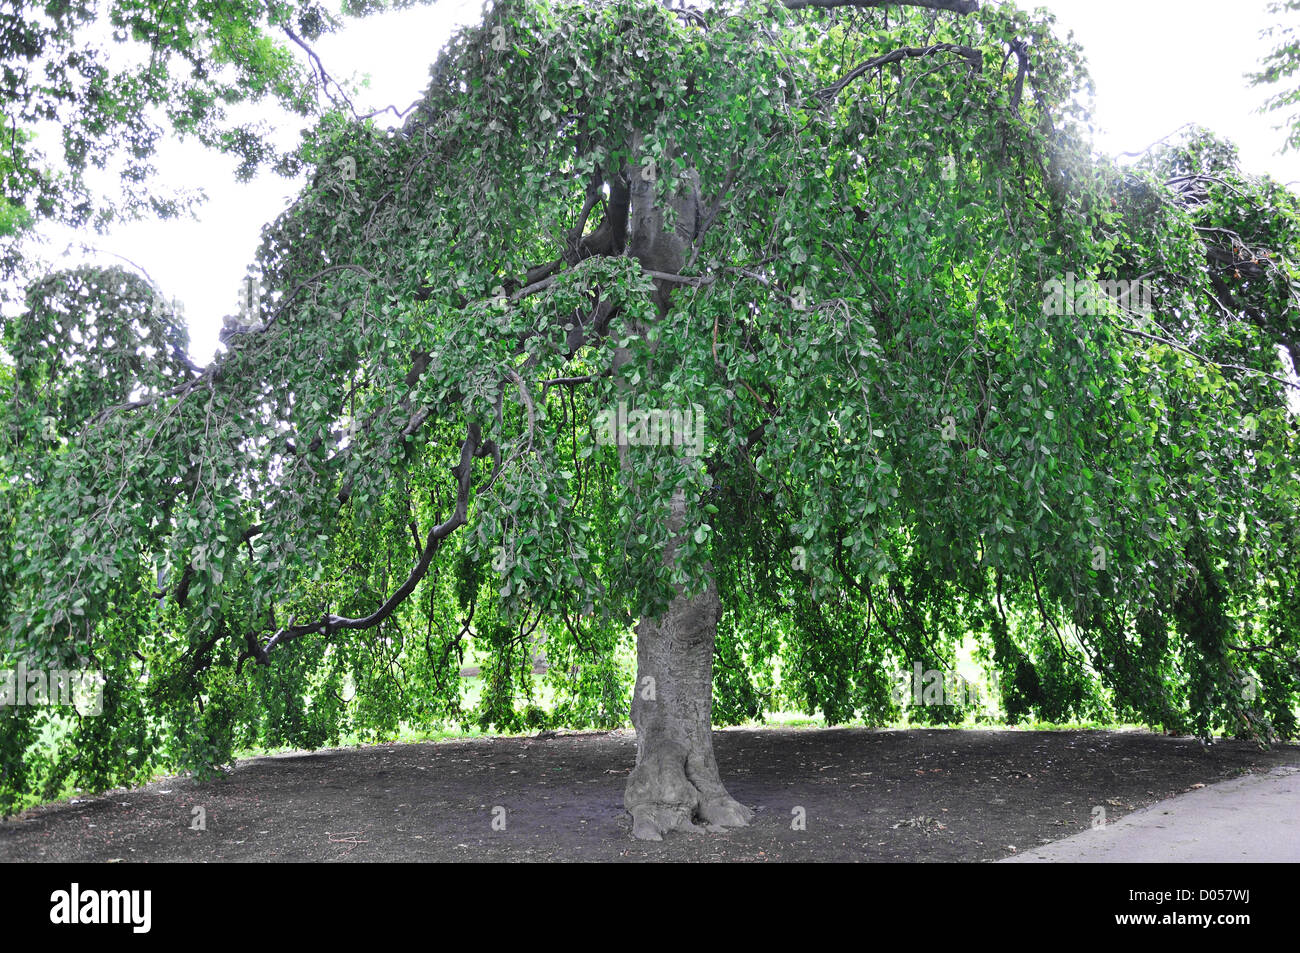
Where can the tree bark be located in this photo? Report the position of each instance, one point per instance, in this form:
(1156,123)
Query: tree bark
(675,784)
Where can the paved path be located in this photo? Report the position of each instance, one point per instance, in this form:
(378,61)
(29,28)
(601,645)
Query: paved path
(1254,818)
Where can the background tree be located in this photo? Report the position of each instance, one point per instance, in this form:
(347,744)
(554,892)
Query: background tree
(96,86)
(1281,66)
(837,235)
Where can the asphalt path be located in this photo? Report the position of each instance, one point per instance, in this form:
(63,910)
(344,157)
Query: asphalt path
(1252,819)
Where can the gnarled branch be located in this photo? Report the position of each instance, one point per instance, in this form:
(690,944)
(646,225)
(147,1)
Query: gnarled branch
(433,541)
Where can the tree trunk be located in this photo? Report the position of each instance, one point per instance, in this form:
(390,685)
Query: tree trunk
(675,782)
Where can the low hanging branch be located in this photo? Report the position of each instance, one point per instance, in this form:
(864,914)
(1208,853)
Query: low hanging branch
(462,471)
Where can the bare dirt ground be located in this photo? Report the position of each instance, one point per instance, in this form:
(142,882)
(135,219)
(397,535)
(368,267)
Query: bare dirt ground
(865,795)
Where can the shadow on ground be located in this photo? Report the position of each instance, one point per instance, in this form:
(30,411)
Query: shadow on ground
(872,795)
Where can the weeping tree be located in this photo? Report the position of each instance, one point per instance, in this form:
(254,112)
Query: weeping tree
(796,343)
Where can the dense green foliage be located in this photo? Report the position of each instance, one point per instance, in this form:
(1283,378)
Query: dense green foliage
(906,443)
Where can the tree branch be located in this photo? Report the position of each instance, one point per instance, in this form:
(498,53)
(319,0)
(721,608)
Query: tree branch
(952,6)
(432,543)
(974,59)
(1201,357)
(1021,52)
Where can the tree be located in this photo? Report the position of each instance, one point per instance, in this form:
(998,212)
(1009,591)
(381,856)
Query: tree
(1280,66)
(86,86)
(805,336)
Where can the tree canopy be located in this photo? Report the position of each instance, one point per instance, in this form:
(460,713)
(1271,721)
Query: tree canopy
(88,91)
(929,370)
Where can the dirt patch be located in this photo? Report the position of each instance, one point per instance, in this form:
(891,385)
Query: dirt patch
(870,795)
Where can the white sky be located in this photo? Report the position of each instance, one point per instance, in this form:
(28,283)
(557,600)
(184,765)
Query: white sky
(1157,64)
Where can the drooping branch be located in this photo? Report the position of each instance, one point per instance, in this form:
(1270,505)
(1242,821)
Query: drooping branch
(609,237)
(1205,360)
(593,197)
(951,6)
(974,59)
(215,370)
(432,543)
(325,79)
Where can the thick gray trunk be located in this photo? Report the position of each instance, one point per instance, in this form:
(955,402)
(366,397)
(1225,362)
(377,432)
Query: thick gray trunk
(675,784)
